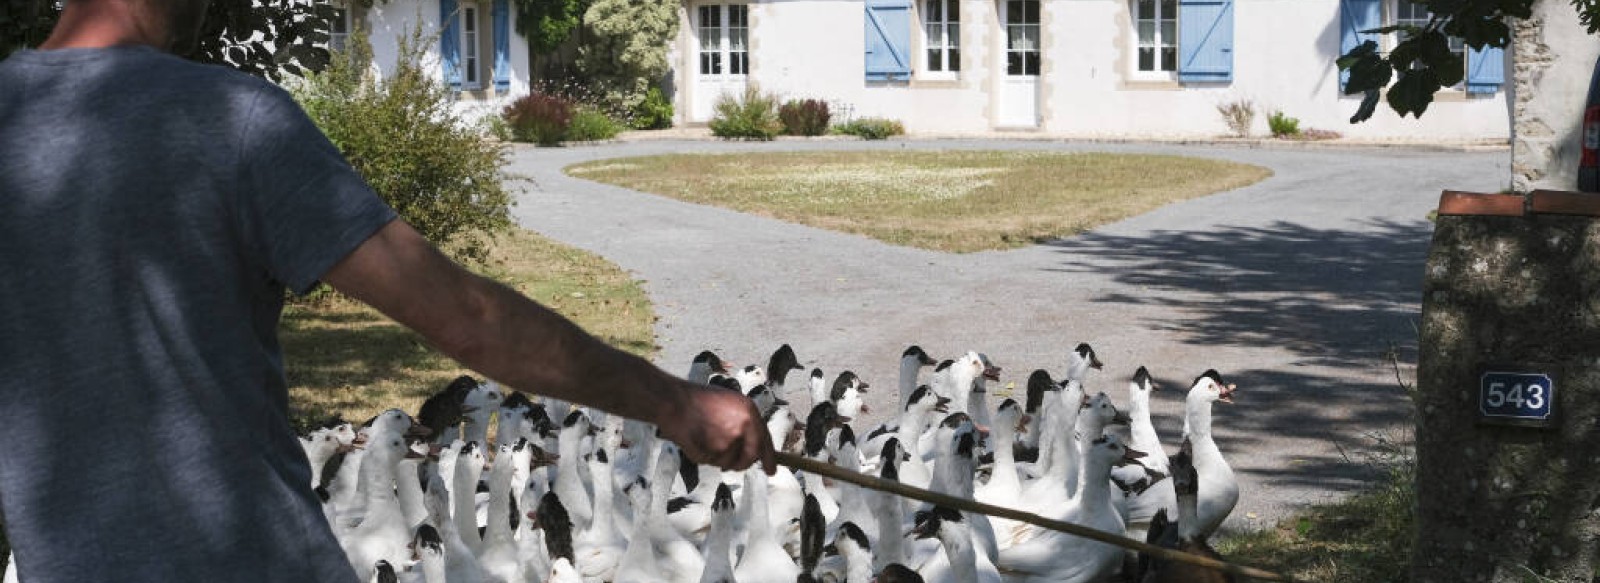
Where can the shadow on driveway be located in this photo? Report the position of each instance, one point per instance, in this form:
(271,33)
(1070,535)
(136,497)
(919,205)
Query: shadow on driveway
(1334,297)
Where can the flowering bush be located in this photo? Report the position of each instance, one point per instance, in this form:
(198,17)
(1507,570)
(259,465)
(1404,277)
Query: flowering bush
(541,118)
(752,116)
(871,128)
(804,118)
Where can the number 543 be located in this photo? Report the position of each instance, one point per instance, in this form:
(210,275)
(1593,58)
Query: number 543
(1520,395)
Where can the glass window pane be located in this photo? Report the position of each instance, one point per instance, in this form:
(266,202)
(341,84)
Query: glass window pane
(736,39)
(1147,9)
(738,15)
(1169,33)
(1169,59)
(710,39)
(955,59)
(1147,59)
(1013,63)
(933,60)
(705,63)
(741,63)
(1013,11)
(716,63)
(952,36)
(935,36)
(1147,32)
(935,11)
(1032,11)
(1031,37)
(1014,38)
(1169,9)
(953,10)
(715,18)
(1031,59)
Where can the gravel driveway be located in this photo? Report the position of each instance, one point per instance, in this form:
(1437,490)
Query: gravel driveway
(1294,288)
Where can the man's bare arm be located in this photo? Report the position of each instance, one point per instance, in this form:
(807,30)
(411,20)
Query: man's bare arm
(494,330)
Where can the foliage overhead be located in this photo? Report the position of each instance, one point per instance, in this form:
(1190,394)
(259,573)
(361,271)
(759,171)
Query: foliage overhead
(403,136)
(267,38)
(1421,63)
(625,50)
(548,23)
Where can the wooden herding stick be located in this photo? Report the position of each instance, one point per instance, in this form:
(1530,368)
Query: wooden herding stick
(827,470)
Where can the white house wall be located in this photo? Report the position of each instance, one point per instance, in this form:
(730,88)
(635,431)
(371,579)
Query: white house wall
(392,21)
(1284,52)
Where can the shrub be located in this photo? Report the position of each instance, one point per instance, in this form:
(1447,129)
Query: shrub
(540,118)
(654,113)
(403,135)
(623,49)
(1239,114)
(752,116)
(871,128)
(1283,126)
(589,125)
(804,118)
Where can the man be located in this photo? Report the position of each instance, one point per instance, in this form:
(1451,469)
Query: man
(152,211)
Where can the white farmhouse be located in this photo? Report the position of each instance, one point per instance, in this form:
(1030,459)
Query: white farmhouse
(1070,68)
(1082,68)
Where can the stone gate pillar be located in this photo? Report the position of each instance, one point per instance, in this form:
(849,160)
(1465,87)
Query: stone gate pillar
(1508,405)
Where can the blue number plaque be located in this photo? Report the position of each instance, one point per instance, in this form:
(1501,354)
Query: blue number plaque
(1516,397)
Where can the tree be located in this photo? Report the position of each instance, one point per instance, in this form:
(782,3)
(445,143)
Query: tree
(548,23)
(625,52)
(267,38)
(1422,63)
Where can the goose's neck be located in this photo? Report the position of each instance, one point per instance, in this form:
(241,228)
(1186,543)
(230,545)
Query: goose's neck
(1139,425)
(1064,451)
(510,429)
(432,566)
(1005,438)
(909,367)
(1089,429)
(912,423)
(858,564)
(891,539)
(602,523)
(957,542)
(1188,517)
(1197,419)
(719,544)
(756,497)
(1094,484)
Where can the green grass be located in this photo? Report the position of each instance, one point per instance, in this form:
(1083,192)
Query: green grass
(346,358)
(1364,539)
(960,201)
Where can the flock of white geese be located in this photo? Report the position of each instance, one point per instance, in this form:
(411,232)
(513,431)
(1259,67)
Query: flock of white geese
(563,494)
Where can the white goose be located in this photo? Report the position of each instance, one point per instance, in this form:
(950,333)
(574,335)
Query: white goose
(978,399)
(819,423)
(1219,488)
(677,559)
(890,510)
(719,543)
(599,549)
(569,483)
(764,560)
(553,520)
(750,377)
(960,562)
(919,411)
(1145,488)
(638,562)
(460,563)
(498,553)
(1051,489)
(782,362)
(817,387)
(705,364)
(323,443)
(1062,558)
(1004,487)
(479,404)
(953,379)
(429,549)
(854,505)
(912,361)
(852,544)
(382,533)
(464,489)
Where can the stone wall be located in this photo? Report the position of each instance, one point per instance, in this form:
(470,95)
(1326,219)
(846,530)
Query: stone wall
(1552,61)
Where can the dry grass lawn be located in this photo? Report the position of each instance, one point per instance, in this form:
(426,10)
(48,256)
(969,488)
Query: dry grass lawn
(343,357)
(958,201)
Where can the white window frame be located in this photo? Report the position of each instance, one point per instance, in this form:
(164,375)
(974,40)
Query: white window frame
(1159,40)
(1392,18)
(1038,38)
(729,59)
(950,30)
(471,60)
(339,40)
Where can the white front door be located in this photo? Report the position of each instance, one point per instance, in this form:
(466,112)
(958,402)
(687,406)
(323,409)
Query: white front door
(722,55)
(1019,89)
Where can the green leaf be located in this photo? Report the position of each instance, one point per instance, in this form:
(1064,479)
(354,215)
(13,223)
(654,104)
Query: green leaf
(1369,104)
(1369,73)
(1413,92)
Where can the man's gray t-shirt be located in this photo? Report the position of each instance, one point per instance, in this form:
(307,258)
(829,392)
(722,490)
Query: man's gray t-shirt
(152,211)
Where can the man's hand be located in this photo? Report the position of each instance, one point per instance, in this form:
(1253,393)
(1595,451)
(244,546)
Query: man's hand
(721,428)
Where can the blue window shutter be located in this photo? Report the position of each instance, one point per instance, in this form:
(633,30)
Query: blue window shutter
(888,36)
(1486,69)
(450,43)
(502,45)
(1354,17)
(1205,40)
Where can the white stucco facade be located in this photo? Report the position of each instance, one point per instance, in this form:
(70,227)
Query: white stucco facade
(387,24)
(1283,54)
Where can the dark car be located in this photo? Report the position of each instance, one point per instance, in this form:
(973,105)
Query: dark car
(1589,166)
